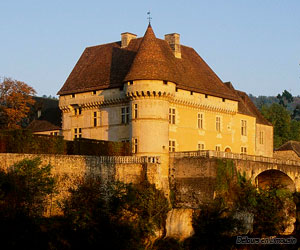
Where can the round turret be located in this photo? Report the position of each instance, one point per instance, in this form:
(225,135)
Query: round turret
(149,101)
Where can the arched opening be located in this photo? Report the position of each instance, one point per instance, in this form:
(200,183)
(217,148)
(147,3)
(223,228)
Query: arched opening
(280,180)
(275,177)
(227,150)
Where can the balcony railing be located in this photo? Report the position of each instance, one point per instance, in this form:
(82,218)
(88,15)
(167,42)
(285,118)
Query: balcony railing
(227,155)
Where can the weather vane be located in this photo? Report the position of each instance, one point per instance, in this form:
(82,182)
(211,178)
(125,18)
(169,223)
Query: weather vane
(149,17)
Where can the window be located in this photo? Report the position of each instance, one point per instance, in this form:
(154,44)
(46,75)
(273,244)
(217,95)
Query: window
(94,92)
(243,150)
(218,123)
(95,119)
(243,127)
(200,146)
(171,115)
(135,145)
(218,148)
(77,111)
(135,111)
(261,137)
(73,96)
(172,146)
(166,82)
(200,120)
(77,133)
(125,115)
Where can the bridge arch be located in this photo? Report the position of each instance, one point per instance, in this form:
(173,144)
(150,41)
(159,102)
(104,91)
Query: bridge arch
(275,176)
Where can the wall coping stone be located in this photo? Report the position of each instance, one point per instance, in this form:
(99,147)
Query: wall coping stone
(234,156)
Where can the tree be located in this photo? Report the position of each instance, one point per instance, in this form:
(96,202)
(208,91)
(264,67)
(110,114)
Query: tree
(114,216)
(295,130)
(24,193)
(15,101)
(25,188)
(296,112)
(281,120)
(285,98)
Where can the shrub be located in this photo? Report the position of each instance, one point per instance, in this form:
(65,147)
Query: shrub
(25,188)
(23,141)
(116,216)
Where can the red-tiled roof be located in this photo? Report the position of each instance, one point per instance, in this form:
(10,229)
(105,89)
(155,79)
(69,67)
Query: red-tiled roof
(290,145)
(42,125)
(247,107)
(147,58)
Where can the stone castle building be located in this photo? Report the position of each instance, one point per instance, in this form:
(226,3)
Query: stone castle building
(161,96)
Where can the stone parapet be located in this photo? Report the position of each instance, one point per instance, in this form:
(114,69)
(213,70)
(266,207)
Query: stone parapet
(228,155)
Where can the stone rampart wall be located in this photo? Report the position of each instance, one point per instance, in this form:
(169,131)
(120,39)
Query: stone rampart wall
(192,181)
(193,174)
(68,169)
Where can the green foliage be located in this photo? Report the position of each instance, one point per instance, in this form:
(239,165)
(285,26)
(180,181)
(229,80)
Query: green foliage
(25,188)
(285,129)
(82,146)
(226,177)
(116,216)
(244,194)
(281,120)
(261,101)
(167,244)
(23,141)
(296,113)
(24,193)
(274,205)
(296,199)
(295,130)
(213,226)
(285,98)
(271,206)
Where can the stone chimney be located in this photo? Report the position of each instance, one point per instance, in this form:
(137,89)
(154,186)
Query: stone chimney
(126,38)
(174,42)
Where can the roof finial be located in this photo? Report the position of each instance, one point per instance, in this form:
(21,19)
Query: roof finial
(149,17)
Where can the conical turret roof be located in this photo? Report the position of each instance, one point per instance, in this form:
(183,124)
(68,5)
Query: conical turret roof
(152,61)
(147,58)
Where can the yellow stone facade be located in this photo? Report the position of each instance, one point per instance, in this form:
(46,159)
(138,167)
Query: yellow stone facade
(157,117)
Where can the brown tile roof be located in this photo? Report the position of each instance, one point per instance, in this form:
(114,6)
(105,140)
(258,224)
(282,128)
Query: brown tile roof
(42,125)
(290,145)
(154,60)
(247,107)
(109,66)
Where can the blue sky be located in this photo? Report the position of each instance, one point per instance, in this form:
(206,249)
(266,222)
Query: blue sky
(255,44)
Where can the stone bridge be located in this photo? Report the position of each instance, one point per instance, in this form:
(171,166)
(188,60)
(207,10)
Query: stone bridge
(193,174)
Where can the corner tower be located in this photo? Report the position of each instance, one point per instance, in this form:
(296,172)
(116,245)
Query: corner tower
(149,89)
